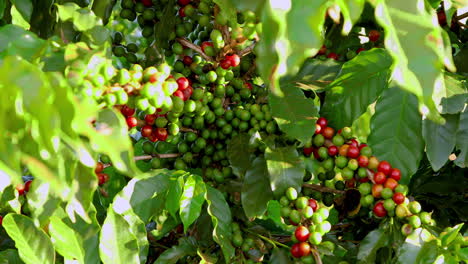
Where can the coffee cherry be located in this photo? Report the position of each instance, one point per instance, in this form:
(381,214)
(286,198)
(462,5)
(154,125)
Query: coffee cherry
(379,177)
(395,174)
(328,132)
(322,122)
(406,229)
(391,184)
(182,83)
(1,220)
(315,238)
(187,60)
(318,129)
(373,162)
(384,167)
(425,218)
(304,249)
(131,122)
(353,152)
(323,228)
(301,202)
(313,204)
(386,193)
(414,221)
(343,150)
(302,233)
(363,161)
(295,217)
(374,35)
(398,198)
(333,56)
(322,50)
(99,168)
(307,151)
(379,210)
(161,133)
(365,188)
(332,151)
(146,131)
(296,251)
(307,212)
(183,2)
(102,178)
(127,111)
(377,190)
(234,60)
(414,207)
(360,50)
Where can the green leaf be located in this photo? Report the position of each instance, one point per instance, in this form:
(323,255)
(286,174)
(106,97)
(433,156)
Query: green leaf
(117,243)
(221,217)
(238,154)
(2,7)
(172,255)
(192,200)
(256,182)
(450,236)
(33,245)
(294,113)
(25,8)
(14,40)
(280,256)
(66,11)
(351,10)
(83,19)
(456,94)
(251,5)
(440,140)
(228,11)
(285,169)
(103,9)
(358,85)
(368,247)
(396,134)
(173,195)
(10,256)
(274,212)
(144,195)
(41,202)
(17,19)
(67,242)
(316,74)
(462,139)
(415,248)
(419,57)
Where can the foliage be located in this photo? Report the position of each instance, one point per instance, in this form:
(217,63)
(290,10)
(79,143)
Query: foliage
(163,131)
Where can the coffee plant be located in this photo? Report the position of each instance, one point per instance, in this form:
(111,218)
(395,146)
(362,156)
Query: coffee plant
(233,131)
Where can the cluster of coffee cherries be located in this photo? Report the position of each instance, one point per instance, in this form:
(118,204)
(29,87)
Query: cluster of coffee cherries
(251,248)
(347,164)
(310,219)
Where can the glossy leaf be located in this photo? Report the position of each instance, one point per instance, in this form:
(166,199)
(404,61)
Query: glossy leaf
(274,211)
(237,153)
(221,217)
(25,8)
(420,56)
(174,193)
(10,256)
(172,255)
(117,243)
(412,249)
(294,113)
(228,11)
(358,85)
(456,94)
(280,256)
(67,242)
(144,195)
(192,200)
(368,247)
(33,245)
(103,9)
(285,169)
(440,140)
(451,235)
(14,40)
(462,139)
(316,74)
(396,133)
(256,182)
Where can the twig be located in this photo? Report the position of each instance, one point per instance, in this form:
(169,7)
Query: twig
(316,254)
(462,16)
(247,50)
(271,241)
(186,129)
(461,24)
(320,188)
(194,47)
